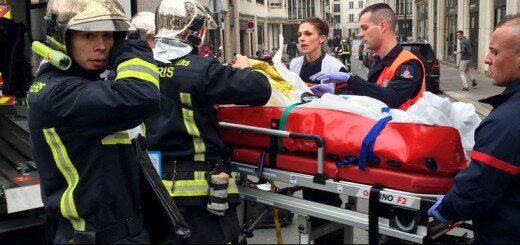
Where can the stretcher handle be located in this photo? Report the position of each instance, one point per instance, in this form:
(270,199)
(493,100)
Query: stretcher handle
(320,144)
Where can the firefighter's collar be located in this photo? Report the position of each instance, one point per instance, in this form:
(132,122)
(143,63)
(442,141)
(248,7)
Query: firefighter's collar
(165,51)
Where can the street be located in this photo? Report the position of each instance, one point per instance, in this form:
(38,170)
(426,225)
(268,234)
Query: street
(450,84)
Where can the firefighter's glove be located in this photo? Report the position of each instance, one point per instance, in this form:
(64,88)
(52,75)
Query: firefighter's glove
(330,77)
(435,213)
(218,195)
(321,89)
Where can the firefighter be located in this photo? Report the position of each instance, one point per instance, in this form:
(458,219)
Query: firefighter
(145,24)
(488,190)
(345,53)
(86,160)
(186,131)
(397,76)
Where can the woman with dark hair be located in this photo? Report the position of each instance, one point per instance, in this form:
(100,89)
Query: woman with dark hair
(312,36)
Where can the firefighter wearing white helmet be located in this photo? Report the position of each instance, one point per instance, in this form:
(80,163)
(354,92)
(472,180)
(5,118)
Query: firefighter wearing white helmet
(186,131)
(87,164)
(144,22)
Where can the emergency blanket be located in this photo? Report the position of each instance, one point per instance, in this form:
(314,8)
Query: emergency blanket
(286,87)
(412,182)
(409,147)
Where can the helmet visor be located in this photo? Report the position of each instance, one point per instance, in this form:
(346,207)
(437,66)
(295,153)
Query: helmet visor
(103,25)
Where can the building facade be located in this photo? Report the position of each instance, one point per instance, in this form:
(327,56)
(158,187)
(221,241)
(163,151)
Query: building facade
(348,16)
(269,18)
(437,22)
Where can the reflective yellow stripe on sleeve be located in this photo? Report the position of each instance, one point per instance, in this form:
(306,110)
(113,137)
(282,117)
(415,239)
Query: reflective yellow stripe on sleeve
(66,167)
(138,68)
(121,138)
(191,127)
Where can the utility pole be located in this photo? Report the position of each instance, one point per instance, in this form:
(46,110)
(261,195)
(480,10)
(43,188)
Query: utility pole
(215,6)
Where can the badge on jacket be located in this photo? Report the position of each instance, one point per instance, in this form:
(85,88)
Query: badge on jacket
(406,72)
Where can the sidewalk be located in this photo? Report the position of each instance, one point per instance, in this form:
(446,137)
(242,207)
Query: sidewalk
(451,85)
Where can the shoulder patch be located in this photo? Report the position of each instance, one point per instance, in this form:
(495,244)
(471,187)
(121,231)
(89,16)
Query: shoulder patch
(406,71)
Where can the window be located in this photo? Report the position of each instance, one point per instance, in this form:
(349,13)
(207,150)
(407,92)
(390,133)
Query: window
(404,7)
(337,8)
(351,18)
(274,3)
(260,2)
(351,5)
(337,19)
(360,4)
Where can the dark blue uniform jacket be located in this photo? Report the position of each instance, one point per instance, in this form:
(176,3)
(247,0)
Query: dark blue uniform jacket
(87,164)
(488,191)
(400,89)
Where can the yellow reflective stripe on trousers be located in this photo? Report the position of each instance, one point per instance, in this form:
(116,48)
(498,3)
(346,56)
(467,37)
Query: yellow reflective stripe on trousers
(140,69)
(121,138)
(191,128)
(196,187)
(64,164)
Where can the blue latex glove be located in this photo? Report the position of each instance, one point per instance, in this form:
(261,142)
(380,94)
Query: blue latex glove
(321,89)
(434,213)
(330,77)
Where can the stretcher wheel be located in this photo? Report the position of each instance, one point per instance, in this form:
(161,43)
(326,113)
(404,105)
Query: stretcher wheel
(405,223)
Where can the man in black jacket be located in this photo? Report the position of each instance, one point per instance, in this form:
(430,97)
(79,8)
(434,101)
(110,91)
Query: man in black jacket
(79,123)
(488,191)
(186,130)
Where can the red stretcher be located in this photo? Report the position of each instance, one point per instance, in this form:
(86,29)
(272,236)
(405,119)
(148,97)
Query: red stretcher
(402,147)
(410,157)
(411,182)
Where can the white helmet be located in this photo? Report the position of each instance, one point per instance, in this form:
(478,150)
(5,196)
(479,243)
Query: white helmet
(183,20)
(82,15)
(145,23)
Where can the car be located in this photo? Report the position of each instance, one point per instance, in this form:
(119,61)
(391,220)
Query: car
(368,57)
(424,52)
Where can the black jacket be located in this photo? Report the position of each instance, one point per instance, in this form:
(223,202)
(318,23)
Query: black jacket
(78,122)
(488,191)
(400,88)
(186,129)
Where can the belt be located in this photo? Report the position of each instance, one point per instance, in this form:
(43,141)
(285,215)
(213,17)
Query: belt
(188,166)
(128,228)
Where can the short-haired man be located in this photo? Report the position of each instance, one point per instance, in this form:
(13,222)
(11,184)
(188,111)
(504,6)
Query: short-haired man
(466,54)
(488,190)
(397,76)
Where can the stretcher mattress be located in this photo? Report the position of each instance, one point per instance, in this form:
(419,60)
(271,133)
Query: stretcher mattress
(410,147)
(395,179)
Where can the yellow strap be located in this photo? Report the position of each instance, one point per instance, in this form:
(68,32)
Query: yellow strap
(67,168)
(276,218)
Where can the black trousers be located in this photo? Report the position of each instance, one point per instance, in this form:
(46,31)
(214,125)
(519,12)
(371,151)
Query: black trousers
(208,228)
(346,57)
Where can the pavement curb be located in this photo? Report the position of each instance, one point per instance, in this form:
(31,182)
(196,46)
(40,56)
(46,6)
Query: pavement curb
(480,109)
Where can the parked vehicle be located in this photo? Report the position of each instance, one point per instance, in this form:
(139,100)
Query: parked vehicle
(424,52)
(368,57)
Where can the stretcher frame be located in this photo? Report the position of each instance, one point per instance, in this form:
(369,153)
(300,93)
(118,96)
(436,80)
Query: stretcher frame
(420,229)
